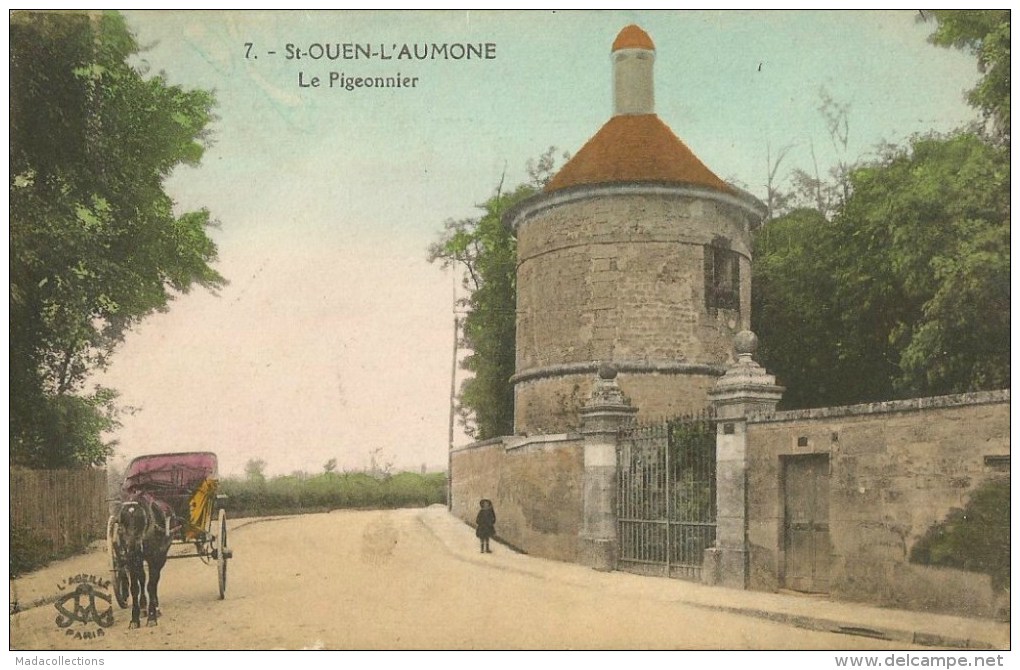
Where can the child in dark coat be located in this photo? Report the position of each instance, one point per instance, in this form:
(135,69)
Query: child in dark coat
(486,524)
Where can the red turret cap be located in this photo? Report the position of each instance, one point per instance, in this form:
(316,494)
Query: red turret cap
(633,37)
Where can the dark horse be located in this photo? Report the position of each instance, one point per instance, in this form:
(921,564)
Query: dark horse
(144,538)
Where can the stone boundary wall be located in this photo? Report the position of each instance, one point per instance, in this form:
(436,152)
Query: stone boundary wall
(895,469)
(535,484)
(912,404)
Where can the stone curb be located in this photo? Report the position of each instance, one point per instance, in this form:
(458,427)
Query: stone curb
(821,624)
(845,628)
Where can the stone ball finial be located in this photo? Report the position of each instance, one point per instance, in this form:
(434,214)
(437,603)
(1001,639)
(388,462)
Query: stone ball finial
(745,343)
(607,371)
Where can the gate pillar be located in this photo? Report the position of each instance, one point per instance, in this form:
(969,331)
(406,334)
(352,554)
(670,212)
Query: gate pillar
(745,389)
(606,411)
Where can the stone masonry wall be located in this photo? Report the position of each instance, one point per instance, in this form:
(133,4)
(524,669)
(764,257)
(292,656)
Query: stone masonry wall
(535,487)
(896,469)
(620,277)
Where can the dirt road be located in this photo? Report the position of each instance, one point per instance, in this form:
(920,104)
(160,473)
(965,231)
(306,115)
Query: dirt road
(405,579)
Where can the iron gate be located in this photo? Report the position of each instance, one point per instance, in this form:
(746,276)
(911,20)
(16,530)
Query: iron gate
(665,503)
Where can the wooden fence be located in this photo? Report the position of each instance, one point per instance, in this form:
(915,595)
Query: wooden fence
(67,508)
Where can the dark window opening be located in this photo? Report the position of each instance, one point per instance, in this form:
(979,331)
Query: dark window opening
(722,278)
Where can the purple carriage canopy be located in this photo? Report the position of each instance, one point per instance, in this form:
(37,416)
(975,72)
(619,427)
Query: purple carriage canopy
(180,484)
(178,473)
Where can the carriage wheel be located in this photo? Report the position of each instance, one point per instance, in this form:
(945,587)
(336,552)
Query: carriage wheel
(222,553)
(121,579)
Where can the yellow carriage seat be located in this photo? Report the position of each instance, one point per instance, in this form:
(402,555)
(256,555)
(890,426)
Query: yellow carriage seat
(200,508)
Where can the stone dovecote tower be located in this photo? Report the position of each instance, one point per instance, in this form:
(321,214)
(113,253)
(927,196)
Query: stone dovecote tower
(635,254)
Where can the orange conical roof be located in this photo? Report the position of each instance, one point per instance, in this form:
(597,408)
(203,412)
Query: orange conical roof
(633,37)
(637,147)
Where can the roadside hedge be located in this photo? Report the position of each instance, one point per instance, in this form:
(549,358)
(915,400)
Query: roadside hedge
(975,538)
(297,494)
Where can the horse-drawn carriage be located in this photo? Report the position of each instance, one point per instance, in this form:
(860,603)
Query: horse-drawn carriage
(167,502)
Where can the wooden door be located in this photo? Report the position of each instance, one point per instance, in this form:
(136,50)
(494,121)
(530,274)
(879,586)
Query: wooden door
(806,523)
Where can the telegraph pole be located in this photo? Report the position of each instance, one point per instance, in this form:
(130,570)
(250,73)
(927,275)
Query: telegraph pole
(453,399)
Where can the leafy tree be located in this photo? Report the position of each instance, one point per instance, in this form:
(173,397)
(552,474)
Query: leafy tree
(812,189)
(922,258)
(793,309)
(975,538)
(776,199)
(901,288)
(905,292)
(487,251)
(255,470)
(95,245)
(380,464)
(986,34)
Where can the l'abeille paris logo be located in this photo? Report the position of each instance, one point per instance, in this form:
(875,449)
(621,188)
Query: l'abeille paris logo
(84,607)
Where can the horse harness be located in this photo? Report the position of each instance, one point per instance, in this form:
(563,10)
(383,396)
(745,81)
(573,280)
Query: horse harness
(148,508)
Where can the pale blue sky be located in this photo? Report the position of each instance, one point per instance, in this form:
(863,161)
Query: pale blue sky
(334,336)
